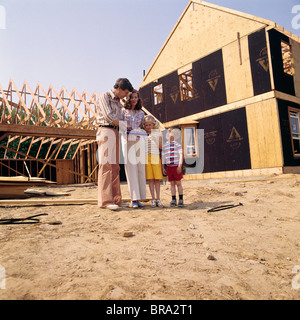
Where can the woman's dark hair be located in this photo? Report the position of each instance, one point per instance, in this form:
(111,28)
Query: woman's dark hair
(139,104)
(124,84)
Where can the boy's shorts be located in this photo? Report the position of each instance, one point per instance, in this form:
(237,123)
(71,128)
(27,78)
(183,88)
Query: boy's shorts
(173,175)
(153,168)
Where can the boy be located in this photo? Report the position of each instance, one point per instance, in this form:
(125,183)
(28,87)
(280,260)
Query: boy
(173,158)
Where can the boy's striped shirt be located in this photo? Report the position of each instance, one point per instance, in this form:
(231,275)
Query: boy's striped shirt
(171,152)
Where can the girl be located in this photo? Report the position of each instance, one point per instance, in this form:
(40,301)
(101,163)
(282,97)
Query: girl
(153,162)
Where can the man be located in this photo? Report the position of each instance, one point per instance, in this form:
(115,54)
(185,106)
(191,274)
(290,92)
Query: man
(108,117)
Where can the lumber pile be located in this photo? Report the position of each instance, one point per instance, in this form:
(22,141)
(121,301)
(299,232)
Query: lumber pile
(15,187)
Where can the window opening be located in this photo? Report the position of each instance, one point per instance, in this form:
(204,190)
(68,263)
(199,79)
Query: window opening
(186,85)
(287,58)
(295,130)
(190,141)
(158,94)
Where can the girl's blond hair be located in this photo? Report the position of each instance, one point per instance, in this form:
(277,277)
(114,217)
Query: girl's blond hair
(150,118)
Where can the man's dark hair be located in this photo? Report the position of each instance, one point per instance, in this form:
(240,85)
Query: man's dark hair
(124,84)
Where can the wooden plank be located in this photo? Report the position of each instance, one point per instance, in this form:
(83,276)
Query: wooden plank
(23,104)
(13,190)
(50,202)
(39,131)
(51,103)
(237,75)
(63,171)
(47,202)
(20,179)
(14,187)
(264,134)
(37,103)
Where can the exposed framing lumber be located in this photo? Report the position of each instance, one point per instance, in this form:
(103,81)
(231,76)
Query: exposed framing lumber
(65,119)
(44,161)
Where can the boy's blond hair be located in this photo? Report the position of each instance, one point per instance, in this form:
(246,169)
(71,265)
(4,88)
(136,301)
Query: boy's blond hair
(175,132)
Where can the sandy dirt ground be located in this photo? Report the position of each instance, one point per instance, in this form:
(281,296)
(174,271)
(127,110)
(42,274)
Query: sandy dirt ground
(246,252)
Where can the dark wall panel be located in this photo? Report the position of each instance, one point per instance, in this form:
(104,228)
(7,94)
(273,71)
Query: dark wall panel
(226,142)
(259,61)
(158,110)
(283,82)
(213,144)
(172,100)
(235,140)
(287,147)
(146,96)
(208,73)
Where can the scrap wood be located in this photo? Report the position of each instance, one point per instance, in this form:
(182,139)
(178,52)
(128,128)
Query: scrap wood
(51,202)
(33,193)
(20,179)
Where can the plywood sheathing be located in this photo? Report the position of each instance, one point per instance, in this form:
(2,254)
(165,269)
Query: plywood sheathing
(203,28)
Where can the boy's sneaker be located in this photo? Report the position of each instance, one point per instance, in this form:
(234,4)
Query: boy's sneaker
(180,203)
(153,204)
(173,203)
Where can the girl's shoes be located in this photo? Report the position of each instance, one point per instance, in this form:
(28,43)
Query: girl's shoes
(159,204)
(156,203)
(153,204)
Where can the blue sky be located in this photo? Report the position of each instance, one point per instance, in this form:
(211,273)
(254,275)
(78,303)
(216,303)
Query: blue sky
(88,44)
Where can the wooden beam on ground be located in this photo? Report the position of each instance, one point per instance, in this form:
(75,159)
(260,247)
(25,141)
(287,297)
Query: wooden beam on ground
(52,202)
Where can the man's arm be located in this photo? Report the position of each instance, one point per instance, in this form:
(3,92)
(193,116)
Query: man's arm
(105,110)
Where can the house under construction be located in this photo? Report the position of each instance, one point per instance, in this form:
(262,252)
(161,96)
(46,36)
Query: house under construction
(237,77)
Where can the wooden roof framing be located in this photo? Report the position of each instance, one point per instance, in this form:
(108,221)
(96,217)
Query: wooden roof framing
(61,118)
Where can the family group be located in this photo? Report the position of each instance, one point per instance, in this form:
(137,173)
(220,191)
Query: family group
(141,133)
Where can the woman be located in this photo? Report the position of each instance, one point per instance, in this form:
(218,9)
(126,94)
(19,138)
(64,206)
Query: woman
(133,149)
